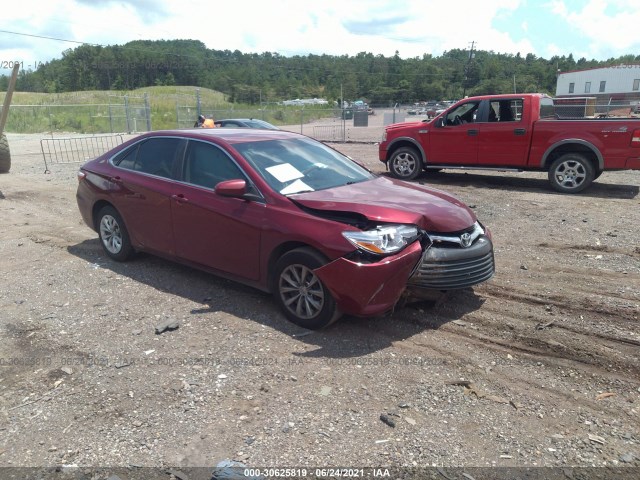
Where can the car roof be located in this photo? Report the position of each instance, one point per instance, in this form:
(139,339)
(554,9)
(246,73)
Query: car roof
(228,135)
(238,119)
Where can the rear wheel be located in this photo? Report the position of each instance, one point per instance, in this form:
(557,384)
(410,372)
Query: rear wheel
(5,154)
(299,292)
(114,236)
(571,173)
(405,163)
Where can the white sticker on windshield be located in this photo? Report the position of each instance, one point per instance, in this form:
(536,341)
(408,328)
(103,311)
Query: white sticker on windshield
(296,187)
(285,172)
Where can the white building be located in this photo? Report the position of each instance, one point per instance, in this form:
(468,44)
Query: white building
(618,84)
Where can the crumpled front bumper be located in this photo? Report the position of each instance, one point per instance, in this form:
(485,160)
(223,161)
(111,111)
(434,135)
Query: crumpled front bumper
(367,289)
(448,268)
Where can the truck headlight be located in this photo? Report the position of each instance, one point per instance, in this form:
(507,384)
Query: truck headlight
(383,240)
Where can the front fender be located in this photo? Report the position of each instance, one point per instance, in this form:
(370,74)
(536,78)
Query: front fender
(401,142)
(367,289)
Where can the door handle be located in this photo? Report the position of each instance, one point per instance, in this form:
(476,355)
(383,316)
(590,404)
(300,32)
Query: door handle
(117,180)
(180,198)
(472,133)
(519,131)
(136,195)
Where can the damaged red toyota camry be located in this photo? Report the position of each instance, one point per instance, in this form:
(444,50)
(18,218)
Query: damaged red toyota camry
(285,214)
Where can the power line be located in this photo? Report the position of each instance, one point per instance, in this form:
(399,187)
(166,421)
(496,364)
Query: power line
(51,38)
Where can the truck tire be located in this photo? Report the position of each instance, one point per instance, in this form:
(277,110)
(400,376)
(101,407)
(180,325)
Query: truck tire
(571,173)
(5,155)
(405,163)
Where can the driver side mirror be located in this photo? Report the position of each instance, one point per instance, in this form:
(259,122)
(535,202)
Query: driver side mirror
(441,121)
(237,188)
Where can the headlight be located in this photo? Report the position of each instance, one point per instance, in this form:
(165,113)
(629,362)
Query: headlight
(384,136)
(384,239)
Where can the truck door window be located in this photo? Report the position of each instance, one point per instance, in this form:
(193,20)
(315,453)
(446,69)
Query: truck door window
(506,110)
(465,113)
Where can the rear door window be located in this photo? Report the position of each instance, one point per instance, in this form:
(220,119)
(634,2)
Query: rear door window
(155,156)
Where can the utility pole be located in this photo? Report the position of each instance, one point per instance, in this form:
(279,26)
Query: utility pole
(466,70)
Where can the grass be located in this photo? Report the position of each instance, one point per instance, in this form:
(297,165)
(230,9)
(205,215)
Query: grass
(120,111)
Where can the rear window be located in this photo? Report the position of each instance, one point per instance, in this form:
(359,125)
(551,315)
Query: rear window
(547,109)
(155,156)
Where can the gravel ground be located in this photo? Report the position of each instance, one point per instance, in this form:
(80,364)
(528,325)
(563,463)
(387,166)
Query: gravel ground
(539,367)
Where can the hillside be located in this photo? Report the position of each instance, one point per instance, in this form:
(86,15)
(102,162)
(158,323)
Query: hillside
(269,77)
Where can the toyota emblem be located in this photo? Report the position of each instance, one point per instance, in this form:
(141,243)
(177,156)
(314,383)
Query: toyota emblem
(465,240)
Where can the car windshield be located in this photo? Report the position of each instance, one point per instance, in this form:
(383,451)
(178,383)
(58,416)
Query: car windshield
(301,165)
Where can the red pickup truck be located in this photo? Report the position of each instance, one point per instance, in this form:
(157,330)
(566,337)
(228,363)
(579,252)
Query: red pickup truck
(513,132)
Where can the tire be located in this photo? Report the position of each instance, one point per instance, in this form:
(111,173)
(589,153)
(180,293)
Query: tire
(5,155)
(571,173)
(114,236)
(598,173)
(405,163)
(300,294)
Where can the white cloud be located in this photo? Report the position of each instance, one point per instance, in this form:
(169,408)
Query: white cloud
(608,26)
(557,7)
(332,27)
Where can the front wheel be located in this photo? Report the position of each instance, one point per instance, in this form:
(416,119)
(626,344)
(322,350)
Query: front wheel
(114,236)
(405,163)
(299,292)
(571,173)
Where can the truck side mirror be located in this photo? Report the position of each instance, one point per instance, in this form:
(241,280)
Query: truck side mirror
(440,121)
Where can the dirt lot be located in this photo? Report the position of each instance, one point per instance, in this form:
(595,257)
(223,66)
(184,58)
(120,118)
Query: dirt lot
(538,367)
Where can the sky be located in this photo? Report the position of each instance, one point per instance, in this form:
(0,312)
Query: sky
(35,32)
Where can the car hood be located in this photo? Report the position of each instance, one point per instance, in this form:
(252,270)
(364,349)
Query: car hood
(388,200)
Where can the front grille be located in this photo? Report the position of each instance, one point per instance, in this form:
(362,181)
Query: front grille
(454,268)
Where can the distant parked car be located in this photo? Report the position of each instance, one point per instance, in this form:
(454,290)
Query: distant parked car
(285,214)
(435,110)
(245,123)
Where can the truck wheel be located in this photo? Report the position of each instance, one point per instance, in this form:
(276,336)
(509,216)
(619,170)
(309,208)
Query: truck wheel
(300,294)
(405,163)
(5,155)
(571,173)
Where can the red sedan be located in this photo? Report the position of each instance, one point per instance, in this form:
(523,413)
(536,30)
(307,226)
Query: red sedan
(285,214)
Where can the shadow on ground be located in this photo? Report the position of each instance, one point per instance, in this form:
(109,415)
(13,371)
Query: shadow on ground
(522,184)
(349,337)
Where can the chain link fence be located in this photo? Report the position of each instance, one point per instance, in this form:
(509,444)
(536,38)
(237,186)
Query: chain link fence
(141,113)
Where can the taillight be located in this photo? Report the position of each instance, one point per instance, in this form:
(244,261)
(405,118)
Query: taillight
(635,138)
